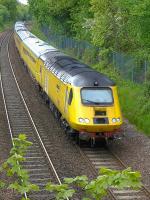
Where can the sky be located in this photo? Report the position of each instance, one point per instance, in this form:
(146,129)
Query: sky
(23,1)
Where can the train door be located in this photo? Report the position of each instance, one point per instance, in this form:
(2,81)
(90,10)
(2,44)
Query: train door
(66,101)
(40,78)
(46,83)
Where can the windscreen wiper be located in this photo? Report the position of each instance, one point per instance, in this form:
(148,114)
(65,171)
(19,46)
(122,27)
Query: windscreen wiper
(89,101)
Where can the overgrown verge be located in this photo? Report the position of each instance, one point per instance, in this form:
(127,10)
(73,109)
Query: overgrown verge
(92,189)
(134,99)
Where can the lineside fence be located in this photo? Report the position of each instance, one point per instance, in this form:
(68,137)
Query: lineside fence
(130,68)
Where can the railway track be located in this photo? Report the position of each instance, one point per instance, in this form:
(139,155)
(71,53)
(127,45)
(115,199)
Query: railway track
(38,162)
(103,157)
(96,157)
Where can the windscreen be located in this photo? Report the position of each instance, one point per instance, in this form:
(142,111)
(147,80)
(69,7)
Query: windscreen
(96,96)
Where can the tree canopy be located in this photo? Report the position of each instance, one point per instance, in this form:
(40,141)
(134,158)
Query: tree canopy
(11,6)
(12,10)
(114,25)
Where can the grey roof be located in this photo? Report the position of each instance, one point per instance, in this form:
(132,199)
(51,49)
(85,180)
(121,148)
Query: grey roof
(66,68)
(72,71)
(38,47)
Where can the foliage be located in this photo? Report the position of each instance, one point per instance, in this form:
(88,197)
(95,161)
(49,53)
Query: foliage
(35,29)
(23,12)
(54,13)
(13,167)
(122,25)
(79,15)
(112,25)
(11,7)
(92,189)
(4,14)
(96,188)
(10,11)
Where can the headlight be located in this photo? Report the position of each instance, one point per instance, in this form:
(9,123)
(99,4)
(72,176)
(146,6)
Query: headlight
(82,120)
(114,120)
(118,119)
(86,120)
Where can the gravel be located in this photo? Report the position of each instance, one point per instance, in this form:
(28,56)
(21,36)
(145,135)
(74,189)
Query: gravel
(5,146)
(133,148)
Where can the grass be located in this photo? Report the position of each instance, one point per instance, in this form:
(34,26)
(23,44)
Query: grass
(36,31)
(134,98)
(135,105)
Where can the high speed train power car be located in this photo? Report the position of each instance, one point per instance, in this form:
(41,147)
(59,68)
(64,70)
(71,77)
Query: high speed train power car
(84,100)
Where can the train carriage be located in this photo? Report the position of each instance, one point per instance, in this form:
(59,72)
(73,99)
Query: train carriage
(84,100)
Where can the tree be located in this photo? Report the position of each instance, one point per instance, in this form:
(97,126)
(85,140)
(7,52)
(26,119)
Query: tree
(4,15)
(122,25)
(11,6)
(79,15)
(23,12)
(53,13)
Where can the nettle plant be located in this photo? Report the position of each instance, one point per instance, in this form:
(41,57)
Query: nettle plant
(91,189)
(13,168)
(98,187)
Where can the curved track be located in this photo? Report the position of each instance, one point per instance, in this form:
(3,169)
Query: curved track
(39,167)
(38,163)
(103,157)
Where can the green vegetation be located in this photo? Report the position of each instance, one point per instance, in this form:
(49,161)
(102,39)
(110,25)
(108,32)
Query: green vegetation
(7,13)
(113,25)
(10,11)
(96,188)
(13,168)
(36,30)
(92,189)
(135,101)
(23,12)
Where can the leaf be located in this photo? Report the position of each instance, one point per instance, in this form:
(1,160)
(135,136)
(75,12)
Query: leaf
(50,187)
(2,184)
(22,136)
(69,180)
(34,187)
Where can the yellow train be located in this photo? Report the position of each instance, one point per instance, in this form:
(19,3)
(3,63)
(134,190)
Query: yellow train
(84,100)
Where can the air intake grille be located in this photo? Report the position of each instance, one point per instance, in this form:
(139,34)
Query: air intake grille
(100,113)
(100,120)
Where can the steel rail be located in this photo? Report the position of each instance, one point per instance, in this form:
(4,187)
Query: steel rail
(125,166)
(5,105)
(29,114)
(116,158)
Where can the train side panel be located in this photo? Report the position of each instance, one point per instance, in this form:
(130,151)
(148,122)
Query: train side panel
(54,88)
(18,42)
(30,59)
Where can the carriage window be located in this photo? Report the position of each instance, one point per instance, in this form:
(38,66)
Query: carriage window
(70,97)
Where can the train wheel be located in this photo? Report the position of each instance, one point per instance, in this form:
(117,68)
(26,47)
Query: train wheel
(57,114)
(77,139)
(92,142)
(102,142)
